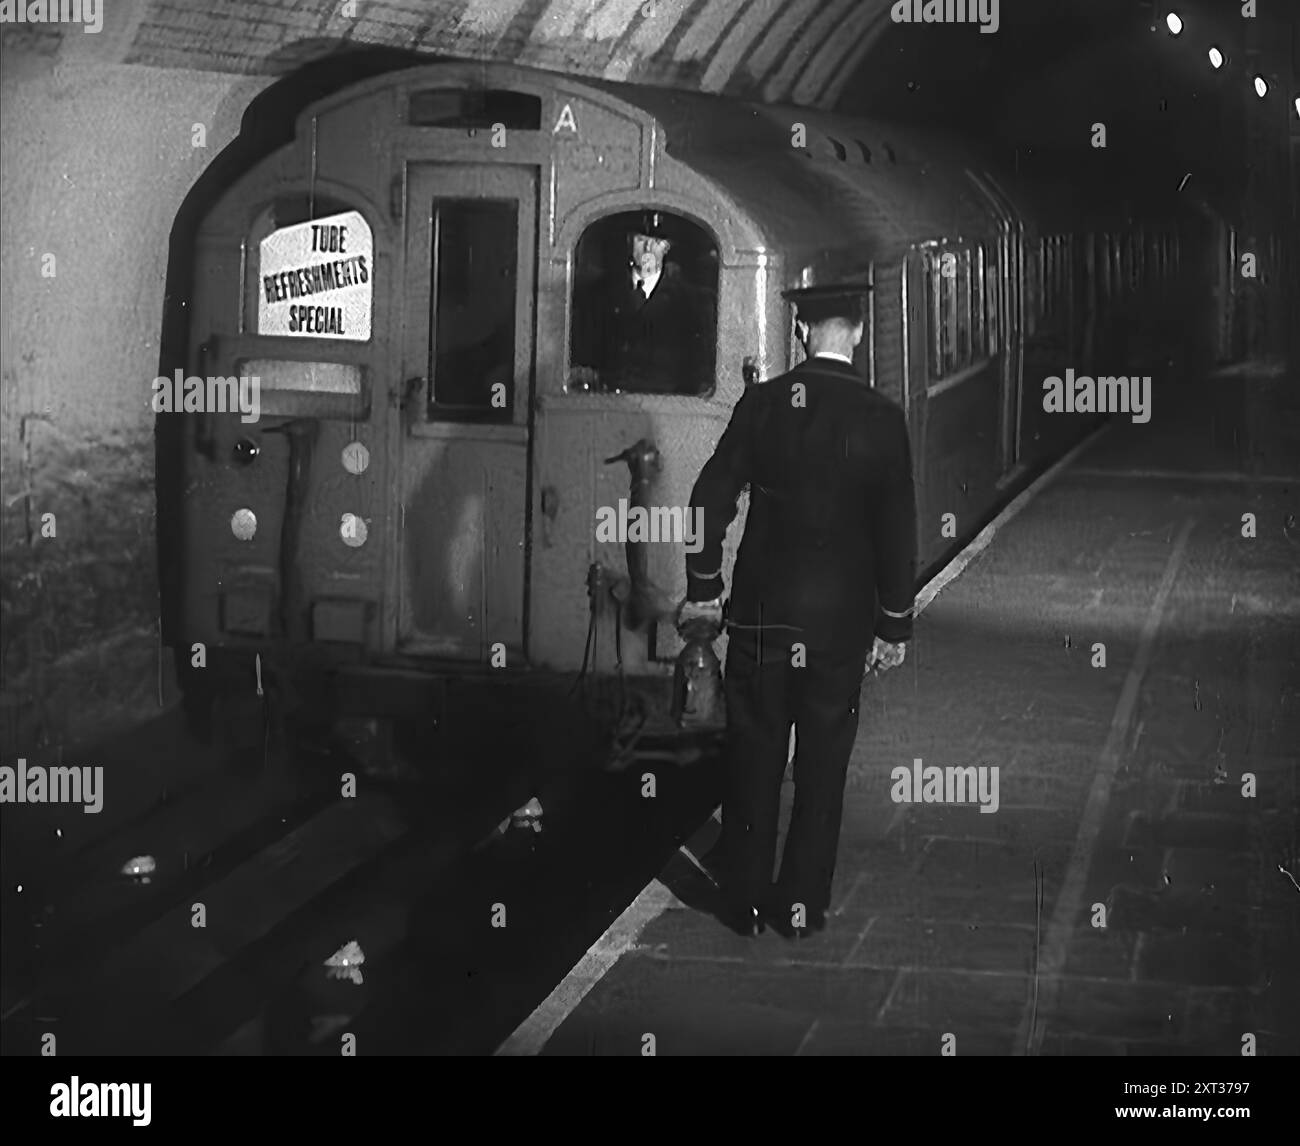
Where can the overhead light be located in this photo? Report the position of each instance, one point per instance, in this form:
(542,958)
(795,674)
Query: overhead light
(1216,58)
(1174,23)
(1261,88)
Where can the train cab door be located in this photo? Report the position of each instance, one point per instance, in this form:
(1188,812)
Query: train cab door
(461,412)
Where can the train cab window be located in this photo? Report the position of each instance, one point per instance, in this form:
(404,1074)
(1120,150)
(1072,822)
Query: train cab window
(472,348)
(644,307)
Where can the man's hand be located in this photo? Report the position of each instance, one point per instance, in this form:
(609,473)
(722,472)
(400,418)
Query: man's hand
(693,611)
(885,656)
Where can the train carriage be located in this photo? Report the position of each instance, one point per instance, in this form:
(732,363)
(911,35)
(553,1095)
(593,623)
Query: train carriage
(408,282)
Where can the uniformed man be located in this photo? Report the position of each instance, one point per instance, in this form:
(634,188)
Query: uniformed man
(823,590)
(651,326)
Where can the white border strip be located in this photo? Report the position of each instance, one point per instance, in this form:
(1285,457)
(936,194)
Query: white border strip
(532,1035)
(1216,478)
(1055,951)
(536,1030)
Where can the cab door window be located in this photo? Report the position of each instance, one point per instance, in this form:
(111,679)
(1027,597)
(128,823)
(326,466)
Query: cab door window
(472,309)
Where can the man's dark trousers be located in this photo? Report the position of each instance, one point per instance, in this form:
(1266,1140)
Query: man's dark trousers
(765,693)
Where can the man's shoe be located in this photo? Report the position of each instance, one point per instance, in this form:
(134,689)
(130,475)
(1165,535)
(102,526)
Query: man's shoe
(781,923)
(744,921)
(815,922)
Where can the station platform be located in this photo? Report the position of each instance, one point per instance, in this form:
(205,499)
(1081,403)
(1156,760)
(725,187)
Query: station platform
(1135,892)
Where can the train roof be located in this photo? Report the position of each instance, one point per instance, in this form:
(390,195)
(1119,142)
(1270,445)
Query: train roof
(862,191)
(832,194)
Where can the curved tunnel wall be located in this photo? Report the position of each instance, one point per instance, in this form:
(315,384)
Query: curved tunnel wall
(96,165)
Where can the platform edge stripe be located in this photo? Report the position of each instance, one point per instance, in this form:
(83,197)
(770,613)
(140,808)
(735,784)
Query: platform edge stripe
(1033,1025)
(957,566)
(1213,477)
(532,1035)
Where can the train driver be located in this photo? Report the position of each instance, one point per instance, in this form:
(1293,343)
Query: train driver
(652,327)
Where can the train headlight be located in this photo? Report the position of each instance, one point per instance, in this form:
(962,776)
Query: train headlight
(244,524)
(353,530)
(1216,58)
(1174,23)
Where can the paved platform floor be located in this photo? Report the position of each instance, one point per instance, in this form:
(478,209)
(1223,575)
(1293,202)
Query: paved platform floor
(1135,893)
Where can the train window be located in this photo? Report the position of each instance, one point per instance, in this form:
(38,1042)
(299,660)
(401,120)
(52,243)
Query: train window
(472,350)
(1033,293)
(644,306)
(934,313)
(1055,263)
(475,108)
(1060,271)
(956,306)
(1053,276)
(1067,274)
(964,354)
(1045,263)
(992,315)
(290,210)
(948,315)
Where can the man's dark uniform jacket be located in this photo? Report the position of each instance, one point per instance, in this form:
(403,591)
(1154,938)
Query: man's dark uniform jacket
(657,343)
(830,539)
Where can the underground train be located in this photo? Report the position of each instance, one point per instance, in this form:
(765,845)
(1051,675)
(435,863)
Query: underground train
(417,493)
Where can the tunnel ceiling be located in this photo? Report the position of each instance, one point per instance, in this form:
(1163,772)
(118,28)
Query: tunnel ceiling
(1051,69)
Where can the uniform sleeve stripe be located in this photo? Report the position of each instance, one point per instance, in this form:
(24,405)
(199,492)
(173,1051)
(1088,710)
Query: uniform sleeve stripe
(704,576)
(897,616)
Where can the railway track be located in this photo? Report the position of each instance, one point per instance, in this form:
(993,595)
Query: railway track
(260,876)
